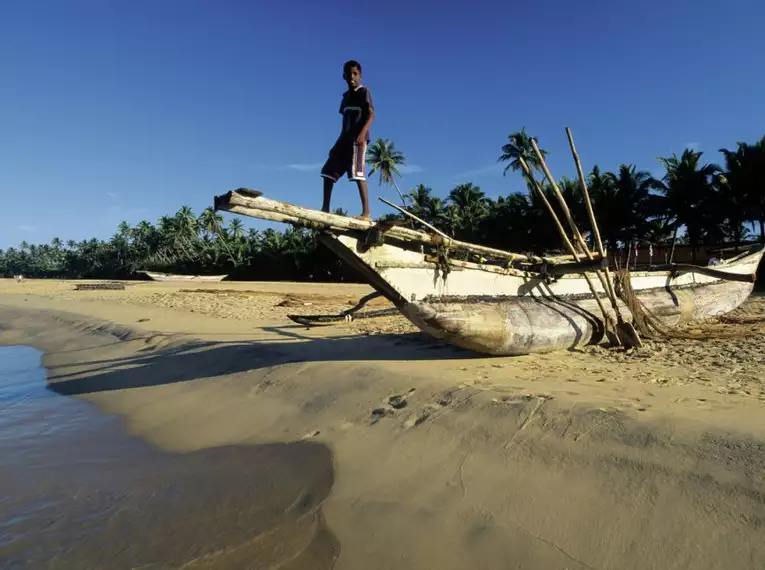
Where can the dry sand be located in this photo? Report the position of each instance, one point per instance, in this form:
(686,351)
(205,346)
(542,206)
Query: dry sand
(442,459)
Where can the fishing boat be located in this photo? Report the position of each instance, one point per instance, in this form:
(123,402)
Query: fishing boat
(157,276)
(498,302)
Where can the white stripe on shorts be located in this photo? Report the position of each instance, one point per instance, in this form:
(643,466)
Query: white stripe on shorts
(358,162)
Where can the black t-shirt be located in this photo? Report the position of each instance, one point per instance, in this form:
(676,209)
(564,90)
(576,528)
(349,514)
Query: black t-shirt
(355,108)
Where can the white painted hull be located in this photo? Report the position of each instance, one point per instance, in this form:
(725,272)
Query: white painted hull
(510,312)
(156,276)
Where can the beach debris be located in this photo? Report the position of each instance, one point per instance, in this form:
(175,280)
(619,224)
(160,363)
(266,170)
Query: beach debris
(344,316)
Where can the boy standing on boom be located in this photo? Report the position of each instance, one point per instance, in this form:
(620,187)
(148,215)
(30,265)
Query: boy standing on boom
(348,154)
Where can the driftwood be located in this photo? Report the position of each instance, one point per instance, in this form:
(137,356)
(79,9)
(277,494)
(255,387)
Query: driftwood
(346,316)
(316,320)
(99,287)
(252,203)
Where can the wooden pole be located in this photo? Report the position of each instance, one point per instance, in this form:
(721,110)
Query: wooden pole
(411,215)
(568,243)
(628,331)
(550,209)
(566,212)
(587,201)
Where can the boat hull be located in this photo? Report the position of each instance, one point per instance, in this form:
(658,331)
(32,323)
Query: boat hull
(507,312)
(155,276)
(524,325)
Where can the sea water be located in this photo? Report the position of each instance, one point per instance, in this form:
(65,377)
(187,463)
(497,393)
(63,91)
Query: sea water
(76,491)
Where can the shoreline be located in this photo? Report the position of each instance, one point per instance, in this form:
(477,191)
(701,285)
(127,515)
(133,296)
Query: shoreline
(578,460)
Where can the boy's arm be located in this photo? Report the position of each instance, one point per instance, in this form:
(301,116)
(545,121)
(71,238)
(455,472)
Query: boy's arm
(362,138)
(342,123)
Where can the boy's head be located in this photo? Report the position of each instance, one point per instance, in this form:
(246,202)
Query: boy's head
(352,73)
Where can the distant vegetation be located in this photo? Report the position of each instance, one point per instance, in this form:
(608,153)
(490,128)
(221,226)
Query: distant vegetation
(696,201)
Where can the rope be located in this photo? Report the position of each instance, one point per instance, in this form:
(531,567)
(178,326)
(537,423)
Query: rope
(442,263)
(650,326)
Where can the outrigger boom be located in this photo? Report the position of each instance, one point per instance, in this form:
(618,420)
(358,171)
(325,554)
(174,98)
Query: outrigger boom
(252,203)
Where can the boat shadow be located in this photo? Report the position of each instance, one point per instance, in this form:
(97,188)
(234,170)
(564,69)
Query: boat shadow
(197,360)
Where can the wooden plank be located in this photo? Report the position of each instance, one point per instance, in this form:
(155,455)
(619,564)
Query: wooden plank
(252,203)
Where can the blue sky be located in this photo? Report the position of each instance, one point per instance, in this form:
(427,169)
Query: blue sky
(117,110)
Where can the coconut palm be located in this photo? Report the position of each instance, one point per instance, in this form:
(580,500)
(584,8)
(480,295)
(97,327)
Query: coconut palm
(384,159)
(687,190)
(517,147)
(472,205)
(210,221)
(743,183)
(424,205)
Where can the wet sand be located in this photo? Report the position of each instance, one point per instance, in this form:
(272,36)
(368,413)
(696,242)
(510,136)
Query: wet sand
(441,458)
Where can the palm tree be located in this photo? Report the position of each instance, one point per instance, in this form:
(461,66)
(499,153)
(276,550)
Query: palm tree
(210,221)
(743,183)
(383,158)
(519,146)
(633,195)
(424,205)
(471,203)
(508,222)
(186,224)
(687,189)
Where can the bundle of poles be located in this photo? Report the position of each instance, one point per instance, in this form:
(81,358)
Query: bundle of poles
(620,332)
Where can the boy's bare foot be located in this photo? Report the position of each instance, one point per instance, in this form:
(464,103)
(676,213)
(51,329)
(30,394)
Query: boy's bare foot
(363,216)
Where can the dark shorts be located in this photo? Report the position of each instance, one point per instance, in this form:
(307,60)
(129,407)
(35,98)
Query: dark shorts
(346,157)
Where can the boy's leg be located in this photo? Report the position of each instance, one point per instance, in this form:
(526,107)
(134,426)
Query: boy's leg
(328,185)
(364,195)
(331,172)
(357,173)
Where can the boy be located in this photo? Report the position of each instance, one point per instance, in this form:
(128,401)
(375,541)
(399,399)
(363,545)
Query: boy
(348,153)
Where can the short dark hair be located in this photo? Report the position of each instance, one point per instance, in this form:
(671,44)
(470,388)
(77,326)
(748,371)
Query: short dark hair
(350,64)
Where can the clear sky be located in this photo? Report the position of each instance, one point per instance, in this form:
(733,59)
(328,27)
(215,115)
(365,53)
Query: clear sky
(117,110)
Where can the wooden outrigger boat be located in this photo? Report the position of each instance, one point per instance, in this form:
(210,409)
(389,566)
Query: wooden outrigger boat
(157,276)
(503,303)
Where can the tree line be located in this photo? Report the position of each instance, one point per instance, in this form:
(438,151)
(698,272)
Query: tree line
(696,201)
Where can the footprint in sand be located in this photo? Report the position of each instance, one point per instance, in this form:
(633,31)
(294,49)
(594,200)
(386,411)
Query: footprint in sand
(378,414)
(399,401)
(521,399)
(391,405)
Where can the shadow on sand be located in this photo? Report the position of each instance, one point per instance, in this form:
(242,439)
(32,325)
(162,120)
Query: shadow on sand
(204,359)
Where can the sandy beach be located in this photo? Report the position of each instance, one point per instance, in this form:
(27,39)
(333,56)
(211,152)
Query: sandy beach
(440,458)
